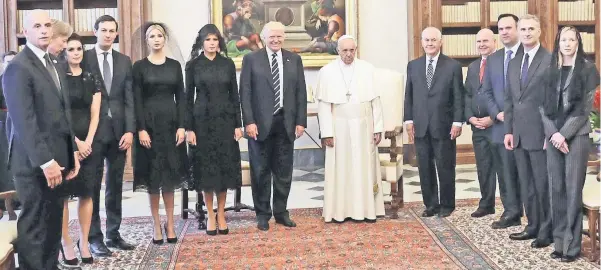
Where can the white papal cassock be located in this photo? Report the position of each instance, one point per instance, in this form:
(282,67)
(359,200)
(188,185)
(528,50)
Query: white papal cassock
(350,111)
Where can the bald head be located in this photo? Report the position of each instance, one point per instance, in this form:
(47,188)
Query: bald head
(431,41)
(37,28)
(485,42)
(347,49)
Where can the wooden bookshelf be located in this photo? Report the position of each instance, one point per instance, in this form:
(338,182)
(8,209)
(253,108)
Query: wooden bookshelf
(81,15)
(442,14)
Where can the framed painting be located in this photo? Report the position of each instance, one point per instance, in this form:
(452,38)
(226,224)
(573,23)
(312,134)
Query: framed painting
(312,26)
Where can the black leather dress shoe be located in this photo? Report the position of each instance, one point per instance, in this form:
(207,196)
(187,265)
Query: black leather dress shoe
(430,212)
(445,212)
(540,243)
(263,225)
(119,243)
(568,259)
(556,255)
(285,221)
(99,249)
(522,236)
(505,222)
(482,212)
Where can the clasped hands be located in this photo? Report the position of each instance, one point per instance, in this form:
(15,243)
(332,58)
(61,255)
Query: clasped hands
(559,142)
(481,123)
(455,132)
(54,175)
(329,141)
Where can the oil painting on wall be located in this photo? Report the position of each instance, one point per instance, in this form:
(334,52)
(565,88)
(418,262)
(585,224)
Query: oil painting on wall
(312,26)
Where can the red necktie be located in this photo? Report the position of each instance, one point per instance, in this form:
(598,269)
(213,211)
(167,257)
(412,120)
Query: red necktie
(482,67)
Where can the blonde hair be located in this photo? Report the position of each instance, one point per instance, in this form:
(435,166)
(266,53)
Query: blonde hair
(157,27)
(61,29)
(272,25)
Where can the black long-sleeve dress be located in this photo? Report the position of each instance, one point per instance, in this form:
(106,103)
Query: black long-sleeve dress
(213,116)
(82,89)
(160,106)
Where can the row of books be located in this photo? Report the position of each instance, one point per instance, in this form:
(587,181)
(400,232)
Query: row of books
(468,12)
(519,8)
(465,45)
(579,10)
(84,19)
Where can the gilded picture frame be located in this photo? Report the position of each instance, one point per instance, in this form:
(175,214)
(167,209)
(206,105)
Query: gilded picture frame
(312,26)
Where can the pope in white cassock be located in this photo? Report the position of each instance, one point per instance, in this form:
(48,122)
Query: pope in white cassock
(351,125)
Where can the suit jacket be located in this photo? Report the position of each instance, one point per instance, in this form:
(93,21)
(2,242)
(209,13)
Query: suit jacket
(257,93)
(522,115)
(2,101)
(38,124)
(493,88)
(121,98)
(577,115)
(434,109)
(475,101)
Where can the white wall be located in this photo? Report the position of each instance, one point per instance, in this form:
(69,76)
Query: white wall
(383,40)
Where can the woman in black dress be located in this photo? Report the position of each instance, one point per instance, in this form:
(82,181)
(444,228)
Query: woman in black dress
(85,97)
(160,162)
(567,106)
(214,123)
(7,187)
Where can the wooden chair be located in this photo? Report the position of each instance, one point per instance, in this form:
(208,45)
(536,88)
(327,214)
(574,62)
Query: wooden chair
(199,212)
(391,85)
(591,203)
(8,234)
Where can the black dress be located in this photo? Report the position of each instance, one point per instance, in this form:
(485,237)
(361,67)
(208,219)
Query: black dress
(82,89)
(6,178)
(213,116)
(160,105)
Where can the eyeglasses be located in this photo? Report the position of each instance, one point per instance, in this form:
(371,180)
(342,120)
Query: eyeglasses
(79,49)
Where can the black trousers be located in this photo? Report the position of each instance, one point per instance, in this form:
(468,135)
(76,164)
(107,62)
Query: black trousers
(437,154)
(534,186)
(509,185)
(568,174)
(115,164)
(39,224)
(487,165)
(272,157)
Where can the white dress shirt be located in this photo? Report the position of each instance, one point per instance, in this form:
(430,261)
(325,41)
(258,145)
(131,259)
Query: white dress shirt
(109,58)
(531,54)
(281,71)
(434,63)
(514,50)
(40,54)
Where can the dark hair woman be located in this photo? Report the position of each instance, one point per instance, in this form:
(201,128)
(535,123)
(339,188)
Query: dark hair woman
(214,123)
(565,113)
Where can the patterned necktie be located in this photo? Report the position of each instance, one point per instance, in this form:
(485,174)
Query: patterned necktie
(482,67)
(107,76)
(525,70)
(430,73)
(275,73)
(506,64)
(52,71)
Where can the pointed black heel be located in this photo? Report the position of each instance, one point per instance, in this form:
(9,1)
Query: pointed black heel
(170,240)
(84,260)
(72,262)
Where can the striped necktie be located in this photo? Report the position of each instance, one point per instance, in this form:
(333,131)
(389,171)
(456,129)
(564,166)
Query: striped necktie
(275,73)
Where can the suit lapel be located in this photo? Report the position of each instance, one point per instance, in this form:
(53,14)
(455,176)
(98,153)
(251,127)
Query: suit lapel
(38,63)
(116,65)
(93,61)
(477,82)
(515,68)
(285,67)
(437,70)
(421,67)
(266,63)
(569,78)
(534,66)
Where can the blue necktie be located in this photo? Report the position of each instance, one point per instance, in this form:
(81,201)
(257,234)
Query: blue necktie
(525,70)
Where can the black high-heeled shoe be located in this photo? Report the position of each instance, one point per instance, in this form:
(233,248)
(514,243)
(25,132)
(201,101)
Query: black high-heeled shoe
(72,262)
(211,232)
(85,260)
(170,240)
(158,241)
(224,231)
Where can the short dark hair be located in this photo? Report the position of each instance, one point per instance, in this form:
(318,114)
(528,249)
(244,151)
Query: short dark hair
(105,18)
(9,53)
(505,15)
(76,37)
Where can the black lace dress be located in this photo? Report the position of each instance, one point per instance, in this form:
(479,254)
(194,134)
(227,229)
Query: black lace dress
(213,116)
(81,94)
(160,106)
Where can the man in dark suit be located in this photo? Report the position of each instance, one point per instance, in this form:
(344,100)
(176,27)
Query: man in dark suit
(434,115)
(274,108)
(41,145)
(494,87)
(524,130)
(116,128)
(6,180)
(476,113)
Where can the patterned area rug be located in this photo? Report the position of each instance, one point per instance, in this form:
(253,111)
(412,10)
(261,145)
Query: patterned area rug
(410,242)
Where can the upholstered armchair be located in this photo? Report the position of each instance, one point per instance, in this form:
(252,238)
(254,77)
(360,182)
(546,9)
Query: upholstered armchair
(391,85)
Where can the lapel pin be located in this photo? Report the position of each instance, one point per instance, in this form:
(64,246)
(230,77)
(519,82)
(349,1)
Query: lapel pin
(54,61)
